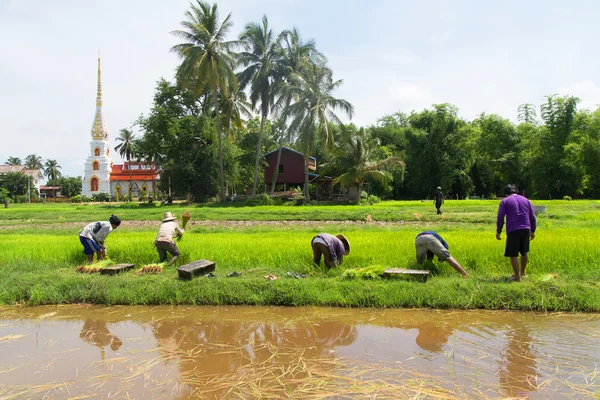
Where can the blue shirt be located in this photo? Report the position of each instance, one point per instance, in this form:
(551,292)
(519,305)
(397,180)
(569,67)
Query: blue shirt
(438,237)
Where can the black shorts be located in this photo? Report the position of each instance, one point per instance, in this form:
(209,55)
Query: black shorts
(517,242)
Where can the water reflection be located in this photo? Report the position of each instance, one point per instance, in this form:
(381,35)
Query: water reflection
(95,333)
(517,369)
(218,352)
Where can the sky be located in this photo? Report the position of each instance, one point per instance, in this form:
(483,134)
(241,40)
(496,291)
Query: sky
(395,55)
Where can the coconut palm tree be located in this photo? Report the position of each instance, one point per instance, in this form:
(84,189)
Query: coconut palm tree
(260,57)
(207,61)
(13,161)
(357,159)
(51,170)
(34,161)
(127,150)
(313,109)
(297,56)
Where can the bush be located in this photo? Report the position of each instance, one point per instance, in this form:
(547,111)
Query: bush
(568,198)
(259,200)
(101,197)
(372,200)
(22,198)
(363,195)
(4,195)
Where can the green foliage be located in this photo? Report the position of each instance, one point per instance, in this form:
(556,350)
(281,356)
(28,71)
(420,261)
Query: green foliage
(16,183)
(69,186)
(568,198)
(101,197)
(4,195)
(370,272)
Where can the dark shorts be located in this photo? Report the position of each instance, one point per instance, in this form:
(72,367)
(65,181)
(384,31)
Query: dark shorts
(164,247)
(517,242)
(89,246)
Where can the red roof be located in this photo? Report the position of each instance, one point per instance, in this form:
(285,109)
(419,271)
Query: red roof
(138,171)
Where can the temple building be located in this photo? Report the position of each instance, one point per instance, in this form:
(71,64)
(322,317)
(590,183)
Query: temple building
(101,175)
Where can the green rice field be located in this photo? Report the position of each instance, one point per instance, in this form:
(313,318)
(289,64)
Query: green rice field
(40,250)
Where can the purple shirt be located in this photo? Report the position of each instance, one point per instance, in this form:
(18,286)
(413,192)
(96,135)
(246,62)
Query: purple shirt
(519,214)
(335,245)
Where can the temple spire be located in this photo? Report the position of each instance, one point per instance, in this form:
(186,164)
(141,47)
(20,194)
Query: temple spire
(99,128)
(99,93)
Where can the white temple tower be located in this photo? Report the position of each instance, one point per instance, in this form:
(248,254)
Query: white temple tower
(98,164)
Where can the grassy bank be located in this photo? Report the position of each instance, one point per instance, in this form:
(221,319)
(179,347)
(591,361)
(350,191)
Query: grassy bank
(38,266)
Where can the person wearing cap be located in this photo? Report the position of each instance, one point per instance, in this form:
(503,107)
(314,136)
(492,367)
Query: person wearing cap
(164,243)
(438,199)
(333,248)
(520,228)
(93,235)
(429,243)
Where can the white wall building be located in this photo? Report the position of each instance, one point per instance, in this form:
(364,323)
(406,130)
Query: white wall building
(98,165)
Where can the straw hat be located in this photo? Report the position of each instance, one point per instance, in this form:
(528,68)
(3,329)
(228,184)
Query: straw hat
(168,217)
(345,242)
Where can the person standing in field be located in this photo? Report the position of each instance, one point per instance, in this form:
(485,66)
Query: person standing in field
(520,228)
(333,248)
(92,237)
(439,200)
(429,243)
(164,243)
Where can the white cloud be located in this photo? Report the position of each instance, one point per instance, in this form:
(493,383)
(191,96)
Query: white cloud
(588,91)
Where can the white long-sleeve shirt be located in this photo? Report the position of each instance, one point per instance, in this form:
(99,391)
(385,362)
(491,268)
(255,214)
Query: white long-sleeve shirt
(167,231)
(97,231)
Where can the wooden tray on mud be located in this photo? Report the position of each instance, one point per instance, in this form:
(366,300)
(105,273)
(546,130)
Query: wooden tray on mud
(196,268)
(116,269)
(396,272)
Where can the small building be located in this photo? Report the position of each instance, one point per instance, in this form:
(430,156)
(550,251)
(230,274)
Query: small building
(50,192)
(291,168)
(35,174)
(144,177)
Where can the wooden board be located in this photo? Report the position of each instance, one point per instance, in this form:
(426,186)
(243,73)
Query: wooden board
(116,269)
(196,268)
(395,272)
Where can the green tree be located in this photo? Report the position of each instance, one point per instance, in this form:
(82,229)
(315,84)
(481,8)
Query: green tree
(33,161)
(127,150)
(51,170)
(260,59)
(313,108)
(526,114)
(13,161)
(16,183)
(207,61)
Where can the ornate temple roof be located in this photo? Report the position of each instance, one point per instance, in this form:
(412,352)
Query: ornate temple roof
(99,129)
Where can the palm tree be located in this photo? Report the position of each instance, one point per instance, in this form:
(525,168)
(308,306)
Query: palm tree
(260,58)
(297,56)
(13,161)
(51,170)
(207,61)
(356,158)
(126,149)
(313,109)
(33,161)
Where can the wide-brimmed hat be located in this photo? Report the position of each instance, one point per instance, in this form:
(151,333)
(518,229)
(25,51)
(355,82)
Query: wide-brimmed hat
(168,217)
(439,188)
(346,243)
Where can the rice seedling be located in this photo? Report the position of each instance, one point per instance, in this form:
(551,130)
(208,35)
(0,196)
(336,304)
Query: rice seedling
(151,269)
(95,267)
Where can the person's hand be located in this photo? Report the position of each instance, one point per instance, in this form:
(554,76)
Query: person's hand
(498,236)
(531,236)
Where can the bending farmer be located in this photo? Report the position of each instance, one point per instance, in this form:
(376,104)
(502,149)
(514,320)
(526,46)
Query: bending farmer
(164,240)
(92,237)
(333,248)
(520,228)
(429,243)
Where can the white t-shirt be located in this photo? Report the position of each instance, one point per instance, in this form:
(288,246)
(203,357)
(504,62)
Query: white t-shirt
(167,231)
(97,231)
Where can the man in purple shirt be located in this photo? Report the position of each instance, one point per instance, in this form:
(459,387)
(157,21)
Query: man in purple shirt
(520,228)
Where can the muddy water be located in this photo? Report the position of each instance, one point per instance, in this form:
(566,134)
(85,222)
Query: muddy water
(239,352)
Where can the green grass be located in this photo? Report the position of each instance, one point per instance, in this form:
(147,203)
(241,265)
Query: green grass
(37,266)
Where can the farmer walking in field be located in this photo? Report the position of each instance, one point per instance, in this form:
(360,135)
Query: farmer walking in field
(333,248)
(429,243)
(92,237)
(164,243)
(438,200)
(520,228)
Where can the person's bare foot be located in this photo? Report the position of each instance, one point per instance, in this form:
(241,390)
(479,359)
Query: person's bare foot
(514,279)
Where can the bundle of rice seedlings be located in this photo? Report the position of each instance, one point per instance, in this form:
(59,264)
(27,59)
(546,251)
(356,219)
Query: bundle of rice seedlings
(370,272)
(95,267)
(186,218)
(151,269)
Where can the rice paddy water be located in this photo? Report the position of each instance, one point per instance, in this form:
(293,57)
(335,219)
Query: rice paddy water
(309,353)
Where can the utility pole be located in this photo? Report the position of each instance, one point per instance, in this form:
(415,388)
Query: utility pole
(169,186)
(28,189)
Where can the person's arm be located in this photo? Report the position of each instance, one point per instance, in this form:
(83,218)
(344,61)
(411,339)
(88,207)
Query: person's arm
(500,220)
(178,231)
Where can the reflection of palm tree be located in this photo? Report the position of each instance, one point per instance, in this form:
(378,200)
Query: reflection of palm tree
(96,333)
(517,372)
